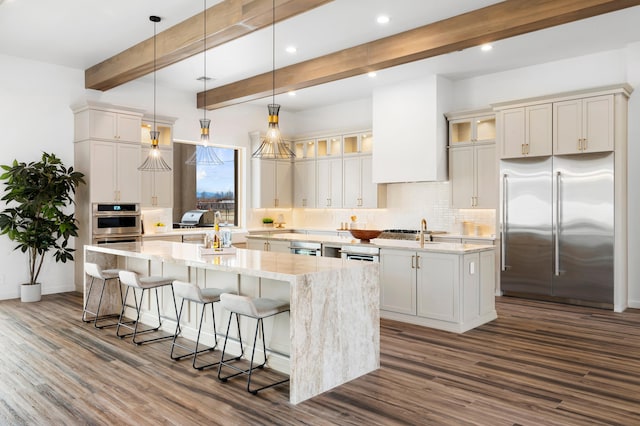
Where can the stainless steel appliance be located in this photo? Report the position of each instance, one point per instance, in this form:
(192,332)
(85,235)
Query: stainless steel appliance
(368,254)
(306,247)
(114,222)
(197,219)
(557,228)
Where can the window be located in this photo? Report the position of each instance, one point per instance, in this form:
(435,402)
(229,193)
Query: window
(206,187)
(216,186)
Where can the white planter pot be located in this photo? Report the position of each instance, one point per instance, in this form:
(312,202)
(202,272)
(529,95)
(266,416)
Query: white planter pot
(30,293)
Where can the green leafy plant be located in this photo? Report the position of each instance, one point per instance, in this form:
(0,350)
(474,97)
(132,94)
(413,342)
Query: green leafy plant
(267,220)
(36,195)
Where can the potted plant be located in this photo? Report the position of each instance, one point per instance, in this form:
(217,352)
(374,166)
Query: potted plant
(267,221)
(37,194)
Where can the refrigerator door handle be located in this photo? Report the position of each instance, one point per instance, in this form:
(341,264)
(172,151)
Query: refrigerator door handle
(556,233)
(503,242)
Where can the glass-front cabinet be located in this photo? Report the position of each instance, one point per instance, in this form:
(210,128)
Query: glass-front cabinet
(471,130)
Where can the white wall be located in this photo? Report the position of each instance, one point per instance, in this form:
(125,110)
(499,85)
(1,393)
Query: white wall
(35,117)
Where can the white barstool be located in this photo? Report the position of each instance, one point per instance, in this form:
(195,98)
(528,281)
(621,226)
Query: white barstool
(106,276)
(203,296)
(133,281)
(257,308)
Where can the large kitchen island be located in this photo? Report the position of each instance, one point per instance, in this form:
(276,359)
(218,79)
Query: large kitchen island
(332,334)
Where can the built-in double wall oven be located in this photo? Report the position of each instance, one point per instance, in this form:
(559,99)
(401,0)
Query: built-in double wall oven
(116,222)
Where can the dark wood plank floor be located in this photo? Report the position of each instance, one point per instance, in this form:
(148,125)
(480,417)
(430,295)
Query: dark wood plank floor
(537,364)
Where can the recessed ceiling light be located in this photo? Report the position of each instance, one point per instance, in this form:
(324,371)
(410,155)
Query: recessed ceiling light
(372,74)
(382,19)
(292,93)
(486,47)
(291,49)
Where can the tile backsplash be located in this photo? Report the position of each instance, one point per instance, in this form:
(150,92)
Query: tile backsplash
(407,204)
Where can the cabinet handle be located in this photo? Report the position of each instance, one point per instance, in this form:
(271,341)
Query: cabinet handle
(276,202)
(304,202)
(503,242)
(579,144)
(328,202)
(527,148)
(413,262)
(522,149)
(556,239)
(154,201)
(417,262)
(584,144)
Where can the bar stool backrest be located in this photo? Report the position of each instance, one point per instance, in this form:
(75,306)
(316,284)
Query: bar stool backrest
(187,291)
(93,270)
(130,278)
(242,305)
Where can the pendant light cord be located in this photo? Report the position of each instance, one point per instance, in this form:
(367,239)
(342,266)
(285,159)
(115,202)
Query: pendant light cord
(204,54)
(155,24)
(273,51)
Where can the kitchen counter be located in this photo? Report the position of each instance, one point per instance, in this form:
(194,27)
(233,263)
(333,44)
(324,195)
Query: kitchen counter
(338,241)
(332,334)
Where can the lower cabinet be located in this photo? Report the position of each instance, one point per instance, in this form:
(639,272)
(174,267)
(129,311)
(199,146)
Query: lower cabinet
(268,245)
(448,291)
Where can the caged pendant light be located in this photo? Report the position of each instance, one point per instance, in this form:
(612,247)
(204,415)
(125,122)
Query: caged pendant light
(154,161)
(272,145)
(204,154)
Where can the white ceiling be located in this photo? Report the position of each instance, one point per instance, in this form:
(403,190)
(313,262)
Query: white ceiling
(81,33)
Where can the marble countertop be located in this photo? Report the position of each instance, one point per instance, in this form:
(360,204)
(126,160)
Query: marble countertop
(273,265)
(337,241)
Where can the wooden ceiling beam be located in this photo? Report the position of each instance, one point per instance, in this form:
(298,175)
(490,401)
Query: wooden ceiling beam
(499,21)
(226,21)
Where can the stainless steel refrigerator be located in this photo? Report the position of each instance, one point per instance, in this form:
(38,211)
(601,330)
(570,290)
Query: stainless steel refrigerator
(557,230)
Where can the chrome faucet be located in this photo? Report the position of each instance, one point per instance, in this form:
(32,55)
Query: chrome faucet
(423,230)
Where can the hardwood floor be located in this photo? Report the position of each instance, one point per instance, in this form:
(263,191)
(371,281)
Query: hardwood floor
(538,364)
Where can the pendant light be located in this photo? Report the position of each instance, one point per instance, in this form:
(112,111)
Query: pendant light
(272,145)
(154,161)
(204,154)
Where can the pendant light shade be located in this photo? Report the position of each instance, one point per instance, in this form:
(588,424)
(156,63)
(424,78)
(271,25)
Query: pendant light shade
(204,154)
(154,161)
(272,146)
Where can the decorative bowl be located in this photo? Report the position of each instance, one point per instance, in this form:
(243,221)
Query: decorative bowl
(365,234)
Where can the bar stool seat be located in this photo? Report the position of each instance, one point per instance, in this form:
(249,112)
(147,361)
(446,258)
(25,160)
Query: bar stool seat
(204,296)
(256,308)
(133,281)
(106,276)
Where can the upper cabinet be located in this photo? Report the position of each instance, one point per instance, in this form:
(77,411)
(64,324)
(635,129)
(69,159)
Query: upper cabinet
(472,160)
(411,131)
(103,124)
(472,129)
(157,187)
(571,123)
(525,131)
(583,125)
(272,180)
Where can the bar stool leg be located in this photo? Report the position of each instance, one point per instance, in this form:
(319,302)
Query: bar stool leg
(260,324)
(223,362)
(86,303)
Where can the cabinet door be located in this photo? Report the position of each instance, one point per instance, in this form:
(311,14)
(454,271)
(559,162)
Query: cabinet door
(272,183)
(256,244)
(128,128)
(461,176)
(102,178)
(157,187)
(128,175)
(279,246)
(486,177)
(284,184)
(398,281)
(567,126)
(330,183)
(597,124)
(103,125)
(539,130)
(369,190)
(438,283)
(352,182)
(512,133)
(487,282)
(304,184)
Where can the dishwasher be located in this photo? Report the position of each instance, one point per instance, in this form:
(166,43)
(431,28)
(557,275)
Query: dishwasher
(306,248)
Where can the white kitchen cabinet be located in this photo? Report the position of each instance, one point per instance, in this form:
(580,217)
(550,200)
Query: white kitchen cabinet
(268,245)
(157,187)
(583,125)
(474,176)
(398,281)
(272,180)
(526,131)
(329,184)
(359,189)
(304,184)
(410,130)
(104,124)
(470,129)
(452,292)
(112,171)
(438,286)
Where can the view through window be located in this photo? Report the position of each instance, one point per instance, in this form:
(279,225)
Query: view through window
(216,186)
